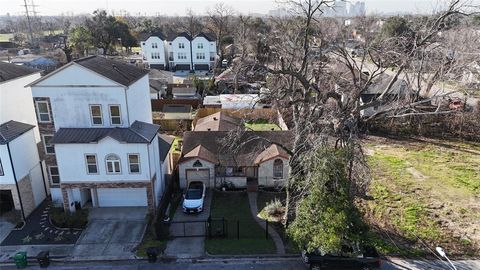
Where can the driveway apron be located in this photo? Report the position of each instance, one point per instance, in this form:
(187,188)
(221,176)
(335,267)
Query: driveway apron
(189,247)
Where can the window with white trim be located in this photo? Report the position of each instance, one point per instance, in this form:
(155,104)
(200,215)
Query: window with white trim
(115,116)
(92,166)
(278,168)
(182,55)
(49,148)
(200,56)
(1,169)
(113,164)
(181,45)
(200,45)
(43,111)
(134,163)
(96,115)
(54,174)
(154,45)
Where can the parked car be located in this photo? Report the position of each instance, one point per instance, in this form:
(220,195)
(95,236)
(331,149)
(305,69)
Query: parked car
(194,197)
(351,257)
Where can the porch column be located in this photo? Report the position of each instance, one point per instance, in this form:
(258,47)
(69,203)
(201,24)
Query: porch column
(68,205)
(94,194)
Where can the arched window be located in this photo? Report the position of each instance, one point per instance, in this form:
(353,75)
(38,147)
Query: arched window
(197,164)
(278,168)
(113,164)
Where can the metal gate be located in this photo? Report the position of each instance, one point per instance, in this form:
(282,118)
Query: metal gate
(211,227)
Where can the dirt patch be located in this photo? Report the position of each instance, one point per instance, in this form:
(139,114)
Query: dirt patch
(415,173)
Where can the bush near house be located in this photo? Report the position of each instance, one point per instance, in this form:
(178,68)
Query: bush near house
(62,219)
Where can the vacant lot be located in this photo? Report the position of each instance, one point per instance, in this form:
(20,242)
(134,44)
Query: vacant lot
(425,193)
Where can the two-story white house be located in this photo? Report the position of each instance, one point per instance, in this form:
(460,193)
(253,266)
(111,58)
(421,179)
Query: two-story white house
(154,50)
(22,185)
(204,51)
(95,118)
(180,52)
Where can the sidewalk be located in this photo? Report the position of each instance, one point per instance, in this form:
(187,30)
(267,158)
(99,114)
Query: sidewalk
(252,199)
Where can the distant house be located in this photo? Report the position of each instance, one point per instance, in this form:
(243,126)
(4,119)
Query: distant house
(185,92)
(234,101)
(399,90)
(154,50)
(101,147)
(22,185)
(192,53)
(209,155)
(157,89)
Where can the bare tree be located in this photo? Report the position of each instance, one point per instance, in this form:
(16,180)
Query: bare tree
(219,18)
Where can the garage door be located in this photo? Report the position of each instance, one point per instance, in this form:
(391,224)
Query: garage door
(111,197)
(202,67)
(200,175)
(182,67)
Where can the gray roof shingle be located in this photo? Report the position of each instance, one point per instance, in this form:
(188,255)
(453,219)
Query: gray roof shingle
(10,71)
(11,130)
(138,132)
(164,144)
(119,72)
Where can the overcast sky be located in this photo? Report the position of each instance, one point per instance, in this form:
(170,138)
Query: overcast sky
(179,7)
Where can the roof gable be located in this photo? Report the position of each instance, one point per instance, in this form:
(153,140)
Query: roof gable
(103,72)
(219,121)
(273,151)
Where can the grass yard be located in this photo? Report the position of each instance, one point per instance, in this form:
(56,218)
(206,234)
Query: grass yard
(263,199)
(261,125)
(425,193)
(233,207)
(150,241)
(176,145)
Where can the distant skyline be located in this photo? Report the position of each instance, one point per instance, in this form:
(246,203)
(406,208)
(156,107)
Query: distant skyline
(179,7)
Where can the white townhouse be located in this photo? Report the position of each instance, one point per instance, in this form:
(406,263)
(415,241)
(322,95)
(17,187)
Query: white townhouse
(102,149)
(154,50)
(204,51)
(22,183)
(179,52)
(187,53)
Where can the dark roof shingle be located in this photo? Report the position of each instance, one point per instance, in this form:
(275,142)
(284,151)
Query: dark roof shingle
(208,36)
(119,72)
(253,143)
(11,130)
(164,144)
(10,71)
(138,132)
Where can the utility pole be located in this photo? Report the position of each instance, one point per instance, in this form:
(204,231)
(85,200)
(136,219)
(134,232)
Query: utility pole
(29,20)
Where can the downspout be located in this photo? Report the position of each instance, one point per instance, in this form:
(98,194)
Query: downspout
(191,55)
(43,177)
(126,104)
(16,182)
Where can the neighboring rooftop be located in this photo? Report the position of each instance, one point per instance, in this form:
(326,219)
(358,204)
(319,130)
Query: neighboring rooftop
(219,121)
(164,144)
(138,132)
(183,34)
(10,71)
(208,36)
(119,72)
(251,145)
(145,36)
(10,130)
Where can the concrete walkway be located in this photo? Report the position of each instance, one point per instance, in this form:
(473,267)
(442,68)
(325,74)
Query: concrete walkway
(188,247)
(252,199)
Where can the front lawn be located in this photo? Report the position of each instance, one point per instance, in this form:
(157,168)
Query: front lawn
(264,198)
(233,207)
(261,125)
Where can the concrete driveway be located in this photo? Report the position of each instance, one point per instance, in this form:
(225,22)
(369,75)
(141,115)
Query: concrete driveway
(189,247)
(112,233)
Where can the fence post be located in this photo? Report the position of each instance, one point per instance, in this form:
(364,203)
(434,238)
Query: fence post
(184,233)
(266,229)
(223,226)
(238,229)
(209,220)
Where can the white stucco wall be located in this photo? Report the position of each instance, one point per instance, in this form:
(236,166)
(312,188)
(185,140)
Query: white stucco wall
(187,165)
(138,101)
(7,177)
(14,95)
(147,50)
(265,173)
(24,154)
(72,165)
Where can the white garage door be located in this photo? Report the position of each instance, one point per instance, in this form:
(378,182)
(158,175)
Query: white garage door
(200,175)
(108,197)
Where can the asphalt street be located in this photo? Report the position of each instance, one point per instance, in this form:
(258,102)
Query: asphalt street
(246,263)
